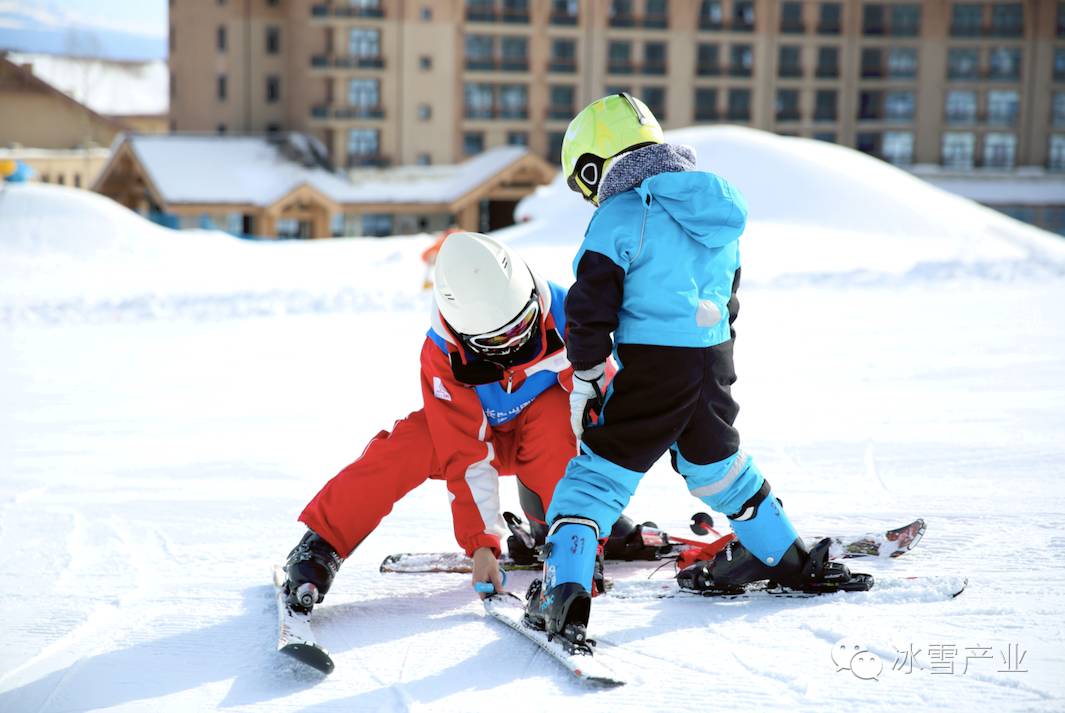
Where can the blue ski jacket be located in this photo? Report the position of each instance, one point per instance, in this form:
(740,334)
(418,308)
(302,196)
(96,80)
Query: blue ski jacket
(657,266)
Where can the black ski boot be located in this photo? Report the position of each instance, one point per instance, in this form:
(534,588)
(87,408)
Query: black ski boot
(562,613)
(735,567)
(309,571)
(626,542)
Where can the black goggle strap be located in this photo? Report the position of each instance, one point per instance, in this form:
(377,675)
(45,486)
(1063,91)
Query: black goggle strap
(475,373)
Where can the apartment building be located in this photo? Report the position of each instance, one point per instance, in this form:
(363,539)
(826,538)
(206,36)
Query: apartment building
(964,86)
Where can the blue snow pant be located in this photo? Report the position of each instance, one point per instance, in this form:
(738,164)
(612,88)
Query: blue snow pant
(677,399)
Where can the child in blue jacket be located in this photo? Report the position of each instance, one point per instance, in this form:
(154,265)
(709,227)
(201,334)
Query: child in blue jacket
(658,269)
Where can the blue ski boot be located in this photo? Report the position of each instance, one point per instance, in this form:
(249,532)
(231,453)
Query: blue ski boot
(560,604)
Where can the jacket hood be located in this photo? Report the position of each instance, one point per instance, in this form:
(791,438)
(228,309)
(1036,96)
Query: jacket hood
(707,207)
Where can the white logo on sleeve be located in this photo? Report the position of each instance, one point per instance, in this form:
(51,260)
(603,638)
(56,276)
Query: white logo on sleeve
(439,390)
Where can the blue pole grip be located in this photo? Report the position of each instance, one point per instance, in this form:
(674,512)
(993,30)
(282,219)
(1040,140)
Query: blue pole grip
(488,587)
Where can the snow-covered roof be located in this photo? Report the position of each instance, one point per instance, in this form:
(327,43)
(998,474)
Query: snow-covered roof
(105,86)
(1027,185)
(258,170)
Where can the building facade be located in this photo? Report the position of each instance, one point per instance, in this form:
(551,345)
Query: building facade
(966,86)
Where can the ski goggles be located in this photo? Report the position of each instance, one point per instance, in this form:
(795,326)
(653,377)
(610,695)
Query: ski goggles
(514,333)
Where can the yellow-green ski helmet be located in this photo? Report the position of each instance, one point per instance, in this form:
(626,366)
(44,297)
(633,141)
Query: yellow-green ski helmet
(605,128)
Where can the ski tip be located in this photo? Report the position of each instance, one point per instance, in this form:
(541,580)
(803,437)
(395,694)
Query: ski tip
(313,656)
(961,588)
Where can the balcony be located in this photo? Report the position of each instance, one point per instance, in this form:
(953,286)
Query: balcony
(620,67)
(792,28)
(323,10)
(828,71)
(565,66)
(497,112)
(709,24)
(739,113)
(738,70)
(347,113)
(825,114)
(788,115)
(707,114)
(875,71)
(657,68)
(560,112)
(368,160)
(563,19)
(789,71)
(656,22)
(829,27)
(960,117)
(326,61)
(623,21)
(492,64)
(708,69)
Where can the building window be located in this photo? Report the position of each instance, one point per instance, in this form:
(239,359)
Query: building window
(787,105)
(707,60)
(424,159)
(515,54)
(364,95)
(220,129)
(961,107)
(788,64)
(1056,155)
(827,61)
(829,21)
(1002,107)
(220,38)
(377,225)
(873,19)
(480,52)
(958,149)
(77,180)
(472,143)
(963,63)
(425,63)
(564,12)
(561,99)
(425,112)
(427,16)
(706,104)
(999,150)
(1059,64)
(612,89)
(826,136)
(899,106)
(479,101)
(1005,63)
(898,147)
(741,61)
(825,105)
(516,11)
(710,15)
(1057,113)
(791,17)
(902,63)
(517,138)
(364,42)
(655,99)
(966,20)
(743,16)
(1007,19)
(905,21)
(220,87)
(554,145)
(1061,19)
(621,14)
(563,56)
(654,58)
(273,89)
(273,127)
(273,39)
(513,101)
(872,62)
(619,57)
(870,105)
(739,104)
(364,147)
(656,13)
(868,142)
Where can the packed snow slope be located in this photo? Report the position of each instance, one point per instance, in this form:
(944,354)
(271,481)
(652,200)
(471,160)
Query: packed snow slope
(172,400)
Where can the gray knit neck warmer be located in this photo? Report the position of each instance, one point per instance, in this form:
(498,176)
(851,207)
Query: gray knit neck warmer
(631,169)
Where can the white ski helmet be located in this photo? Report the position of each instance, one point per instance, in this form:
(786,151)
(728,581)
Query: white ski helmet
(482,289)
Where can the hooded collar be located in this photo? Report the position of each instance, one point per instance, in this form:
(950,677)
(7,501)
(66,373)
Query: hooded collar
(629,170)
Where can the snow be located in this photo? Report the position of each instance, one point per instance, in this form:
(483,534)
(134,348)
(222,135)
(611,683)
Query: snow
(1028,185)
(172,400)
(109,87)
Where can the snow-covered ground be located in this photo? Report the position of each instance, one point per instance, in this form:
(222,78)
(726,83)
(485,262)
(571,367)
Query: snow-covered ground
(170,401)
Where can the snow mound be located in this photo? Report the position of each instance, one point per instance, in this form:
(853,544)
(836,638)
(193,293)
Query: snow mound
(820,209)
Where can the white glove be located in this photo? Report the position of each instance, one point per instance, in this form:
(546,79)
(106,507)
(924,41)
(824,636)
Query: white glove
(588,388)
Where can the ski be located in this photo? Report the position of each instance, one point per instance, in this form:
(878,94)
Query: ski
(932,588)
(892,543)
(510,610)
(295,637)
